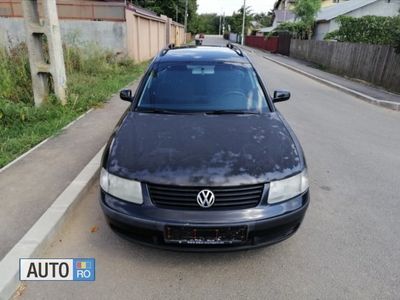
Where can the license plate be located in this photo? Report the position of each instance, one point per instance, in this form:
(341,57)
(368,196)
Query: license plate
(205,235)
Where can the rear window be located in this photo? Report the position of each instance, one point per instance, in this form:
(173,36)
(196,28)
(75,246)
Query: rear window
(203,87)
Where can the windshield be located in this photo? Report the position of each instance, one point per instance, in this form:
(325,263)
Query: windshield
(203,87)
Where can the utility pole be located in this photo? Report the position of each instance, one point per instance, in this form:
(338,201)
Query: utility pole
(284,10)
(220,21)
(244,20)
(223,24)
(43,67)
(186,7)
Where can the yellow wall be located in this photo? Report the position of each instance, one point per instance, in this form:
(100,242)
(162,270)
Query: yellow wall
(326,3)
(147,35)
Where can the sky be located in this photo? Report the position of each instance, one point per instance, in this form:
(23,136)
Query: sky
(229,6)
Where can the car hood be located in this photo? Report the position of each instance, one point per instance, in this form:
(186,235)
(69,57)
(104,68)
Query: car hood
(203,150)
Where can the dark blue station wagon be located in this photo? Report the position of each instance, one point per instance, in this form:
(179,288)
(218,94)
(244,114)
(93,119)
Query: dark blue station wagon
(202,160)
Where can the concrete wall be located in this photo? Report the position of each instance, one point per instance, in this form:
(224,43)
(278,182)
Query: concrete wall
(177,34)
(141,36)
(321,30)
(381,8)
(233,37)
(108,35)
(146,35)
(12,31)
(72,9)
(377,64)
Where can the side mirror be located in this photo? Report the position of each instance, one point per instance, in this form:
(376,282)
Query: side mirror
(126,95)
(280,96)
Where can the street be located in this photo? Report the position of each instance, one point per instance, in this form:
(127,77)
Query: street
(347,248)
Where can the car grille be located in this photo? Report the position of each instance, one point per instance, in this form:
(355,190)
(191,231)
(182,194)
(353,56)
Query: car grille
(238,197)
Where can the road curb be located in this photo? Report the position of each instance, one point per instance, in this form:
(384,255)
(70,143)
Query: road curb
(383,103)
(41,233)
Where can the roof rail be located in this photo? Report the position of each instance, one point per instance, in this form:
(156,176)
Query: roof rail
(235,48)
(164,51)
(173,46)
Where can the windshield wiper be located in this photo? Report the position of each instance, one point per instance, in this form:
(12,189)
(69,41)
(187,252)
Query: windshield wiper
(230,112)
(211,112)
(158,111)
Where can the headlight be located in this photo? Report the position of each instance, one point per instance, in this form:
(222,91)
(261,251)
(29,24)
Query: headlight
(285,189)
(124,189)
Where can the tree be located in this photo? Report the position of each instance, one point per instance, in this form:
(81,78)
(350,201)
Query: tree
(297,30)
(169,8)
(204,23)
(264,19)
(236,20)
(306,10)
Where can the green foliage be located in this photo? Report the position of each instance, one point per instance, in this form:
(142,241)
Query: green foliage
(175,9)
(333,35)
(264,19)
(236,20)
(93,75)
(396,40)
(15,83)
(306,10)
(205,23)
(170,9)
(368,29)
(298,30)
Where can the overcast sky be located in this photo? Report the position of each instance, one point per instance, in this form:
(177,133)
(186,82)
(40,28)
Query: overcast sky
(229,6)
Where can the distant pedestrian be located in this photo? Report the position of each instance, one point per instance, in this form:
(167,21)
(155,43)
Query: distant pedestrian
(199,39)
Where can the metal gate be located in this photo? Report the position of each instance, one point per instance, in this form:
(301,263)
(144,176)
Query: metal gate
(284,43)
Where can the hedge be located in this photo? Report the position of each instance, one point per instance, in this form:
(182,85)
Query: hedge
(368,29)
(297,30)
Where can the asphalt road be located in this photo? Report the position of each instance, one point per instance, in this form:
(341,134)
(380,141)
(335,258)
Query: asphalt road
(347,248)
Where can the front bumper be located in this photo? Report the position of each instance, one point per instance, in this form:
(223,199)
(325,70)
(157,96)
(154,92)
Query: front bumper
(266,224)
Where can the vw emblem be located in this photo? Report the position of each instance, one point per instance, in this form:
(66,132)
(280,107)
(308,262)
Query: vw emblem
(205,198)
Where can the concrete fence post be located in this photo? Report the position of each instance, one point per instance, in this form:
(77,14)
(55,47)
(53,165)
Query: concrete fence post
(41,66)
(56,54)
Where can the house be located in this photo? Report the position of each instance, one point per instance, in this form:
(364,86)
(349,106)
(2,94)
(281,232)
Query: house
(326,20)
(326,3)
(254,26)
(289,4)
(283,11)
